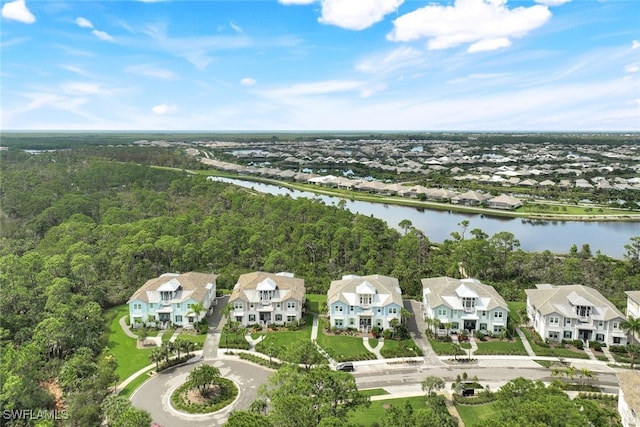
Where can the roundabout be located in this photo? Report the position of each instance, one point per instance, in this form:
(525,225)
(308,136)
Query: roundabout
(155,394)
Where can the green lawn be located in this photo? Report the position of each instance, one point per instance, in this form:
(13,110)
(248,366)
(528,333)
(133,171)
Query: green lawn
(375,413)
(374,392)
(514,308)
(472,414)
(314,301)
(133,385)
(281,340)
(342,347)
(444,348)
(404,348)
(554,352)
(513,347)
(130,359)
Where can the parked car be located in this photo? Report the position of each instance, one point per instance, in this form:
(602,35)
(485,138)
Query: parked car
(346,366)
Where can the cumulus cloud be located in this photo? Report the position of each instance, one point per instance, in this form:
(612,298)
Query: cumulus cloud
(83,22)
(552,2)
(356,15)
(247,81)
(633,68)
(102,35)
(17,10)
(482,24)
(163,109)
(635,44)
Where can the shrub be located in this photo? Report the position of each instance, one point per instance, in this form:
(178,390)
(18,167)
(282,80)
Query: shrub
(172,362)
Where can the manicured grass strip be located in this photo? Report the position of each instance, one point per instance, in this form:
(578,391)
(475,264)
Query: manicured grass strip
(514,308)
(375,413)
(342,347)
(133,385)
(473,414)
(404,348)
(553,352)
(545,363)
(130,358)
(198,339)
(444,348)
(314,302)
(374,392)
(512,348)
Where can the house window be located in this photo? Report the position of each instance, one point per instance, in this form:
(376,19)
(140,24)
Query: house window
(442,312)
(616,340)
(483,326)
(291,305)
(600,337)
(393,310)
(190,319)
(553,335)
(137,306)
(454,325)
(497,329)
(351,308)
(455,313)
(151,305)
(338,309)
(600,324)
(277,305)
(252,318)
(236,305)
(365,299)
(178,305)
(278,317)
(291,318)
(567,322)
(379,310)
(339,323)
(251,306)
(484,313)
(615,325)
(567,335)
(178,319)
(351,322)
(554,321)
(497,315)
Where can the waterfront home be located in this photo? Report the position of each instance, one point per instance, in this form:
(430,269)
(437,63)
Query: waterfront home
(266,298)
(629,398)
(169,300)
(574,312)
(362,302)
(470,198)
(504,201)
(464,305)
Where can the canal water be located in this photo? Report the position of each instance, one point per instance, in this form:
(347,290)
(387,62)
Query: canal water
(556,236)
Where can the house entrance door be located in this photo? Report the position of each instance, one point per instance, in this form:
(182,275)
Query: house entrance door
(365,323)
(584,334)
(470,325)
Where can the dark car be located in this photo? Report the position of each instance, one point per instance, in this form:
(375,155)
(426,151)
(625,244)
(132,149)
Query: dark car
(346,366)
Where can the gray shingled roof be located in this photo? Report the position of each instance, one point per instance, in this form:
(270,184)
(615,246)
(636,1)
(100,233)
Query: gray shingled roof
(287,286)
(192,285)
(634,295)
(447,291)
(556,299)
(386,288)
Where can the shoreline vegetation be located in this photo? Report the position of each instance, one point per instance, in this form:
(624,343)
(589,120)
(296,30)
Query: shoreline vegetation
(624,216)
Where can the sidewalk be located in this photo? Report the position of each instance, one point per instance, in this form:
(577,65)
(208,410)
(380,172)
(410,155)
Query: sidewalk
(376,350)
(525,342)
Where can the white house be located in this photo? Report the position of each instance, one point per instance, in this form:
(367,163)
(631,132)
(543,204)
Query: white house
(629,398)
(574,312)
(169,299)
(266,298)
(465,304)
(633,303)
(362,302)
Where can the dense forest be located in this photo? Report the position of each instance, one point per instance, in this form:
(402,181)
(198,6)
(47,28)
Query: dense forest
(82,228)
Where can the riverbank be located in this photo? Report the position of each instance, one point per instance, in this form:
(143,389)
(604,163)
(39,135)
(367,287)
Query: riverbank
(623,216)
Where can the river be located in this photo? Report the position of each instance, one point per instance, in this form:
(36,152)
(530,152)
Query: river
(557,236)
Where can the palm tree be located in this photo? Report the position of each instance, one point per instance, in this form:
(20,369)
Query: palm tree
(631,326)
(587,374)
(156,356)
(197,309)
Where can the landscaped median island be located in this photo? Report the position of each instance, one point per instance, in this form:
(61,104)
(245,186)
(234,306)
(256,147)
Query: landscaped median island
(205,391)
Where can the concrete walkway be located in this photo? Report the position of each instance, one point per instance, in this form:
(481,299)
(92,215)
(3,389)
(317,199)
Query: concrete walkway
(376,350)
(126,329)
(525,342)
(417,328)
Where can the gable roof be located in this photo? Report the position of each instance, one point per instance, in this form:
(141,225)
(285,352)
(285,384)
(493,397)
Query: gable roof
(190,285)
(284,285)
(448,291)
(384,289)
(562,300)
(634,296)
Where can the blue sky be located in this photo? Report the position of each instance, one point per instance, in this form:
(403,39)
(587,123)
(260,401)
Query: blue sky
(299,65)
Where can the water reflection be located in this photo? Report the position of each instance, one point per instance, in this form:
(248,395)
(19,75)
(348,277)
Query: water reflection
(534,235)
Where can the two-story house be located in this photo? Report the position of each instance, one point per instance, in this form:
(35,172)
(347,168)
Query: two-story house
(633,303)
(266,298)
(362,302)
(168,300)
(464,304)
(574,312)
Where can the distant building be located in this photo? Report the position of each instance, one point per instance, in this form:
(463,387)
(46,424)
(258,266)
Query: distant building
(465,304)
(265,298)
(633,303)
(504,202)
(574,312)
(168,300)
(362,302)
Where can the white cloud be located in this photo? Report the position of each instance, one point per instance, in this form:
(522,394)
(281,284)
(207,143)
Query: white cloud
(163,109)
(151,70)
(315,88)
(17,10)
(83,22)
(237,28)
(635,44)
(633,68)
(358,14)
(102,35)
(74,69)
(552,2)
(391,61)
(81,88)
(247,81)
(484,24)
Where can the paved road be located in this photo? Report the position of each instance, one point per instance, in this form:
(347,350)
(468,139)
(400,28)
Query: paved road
(153,395)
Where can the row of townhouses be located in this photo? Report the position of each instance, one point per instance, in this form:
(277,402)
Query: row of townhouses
(363,302)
